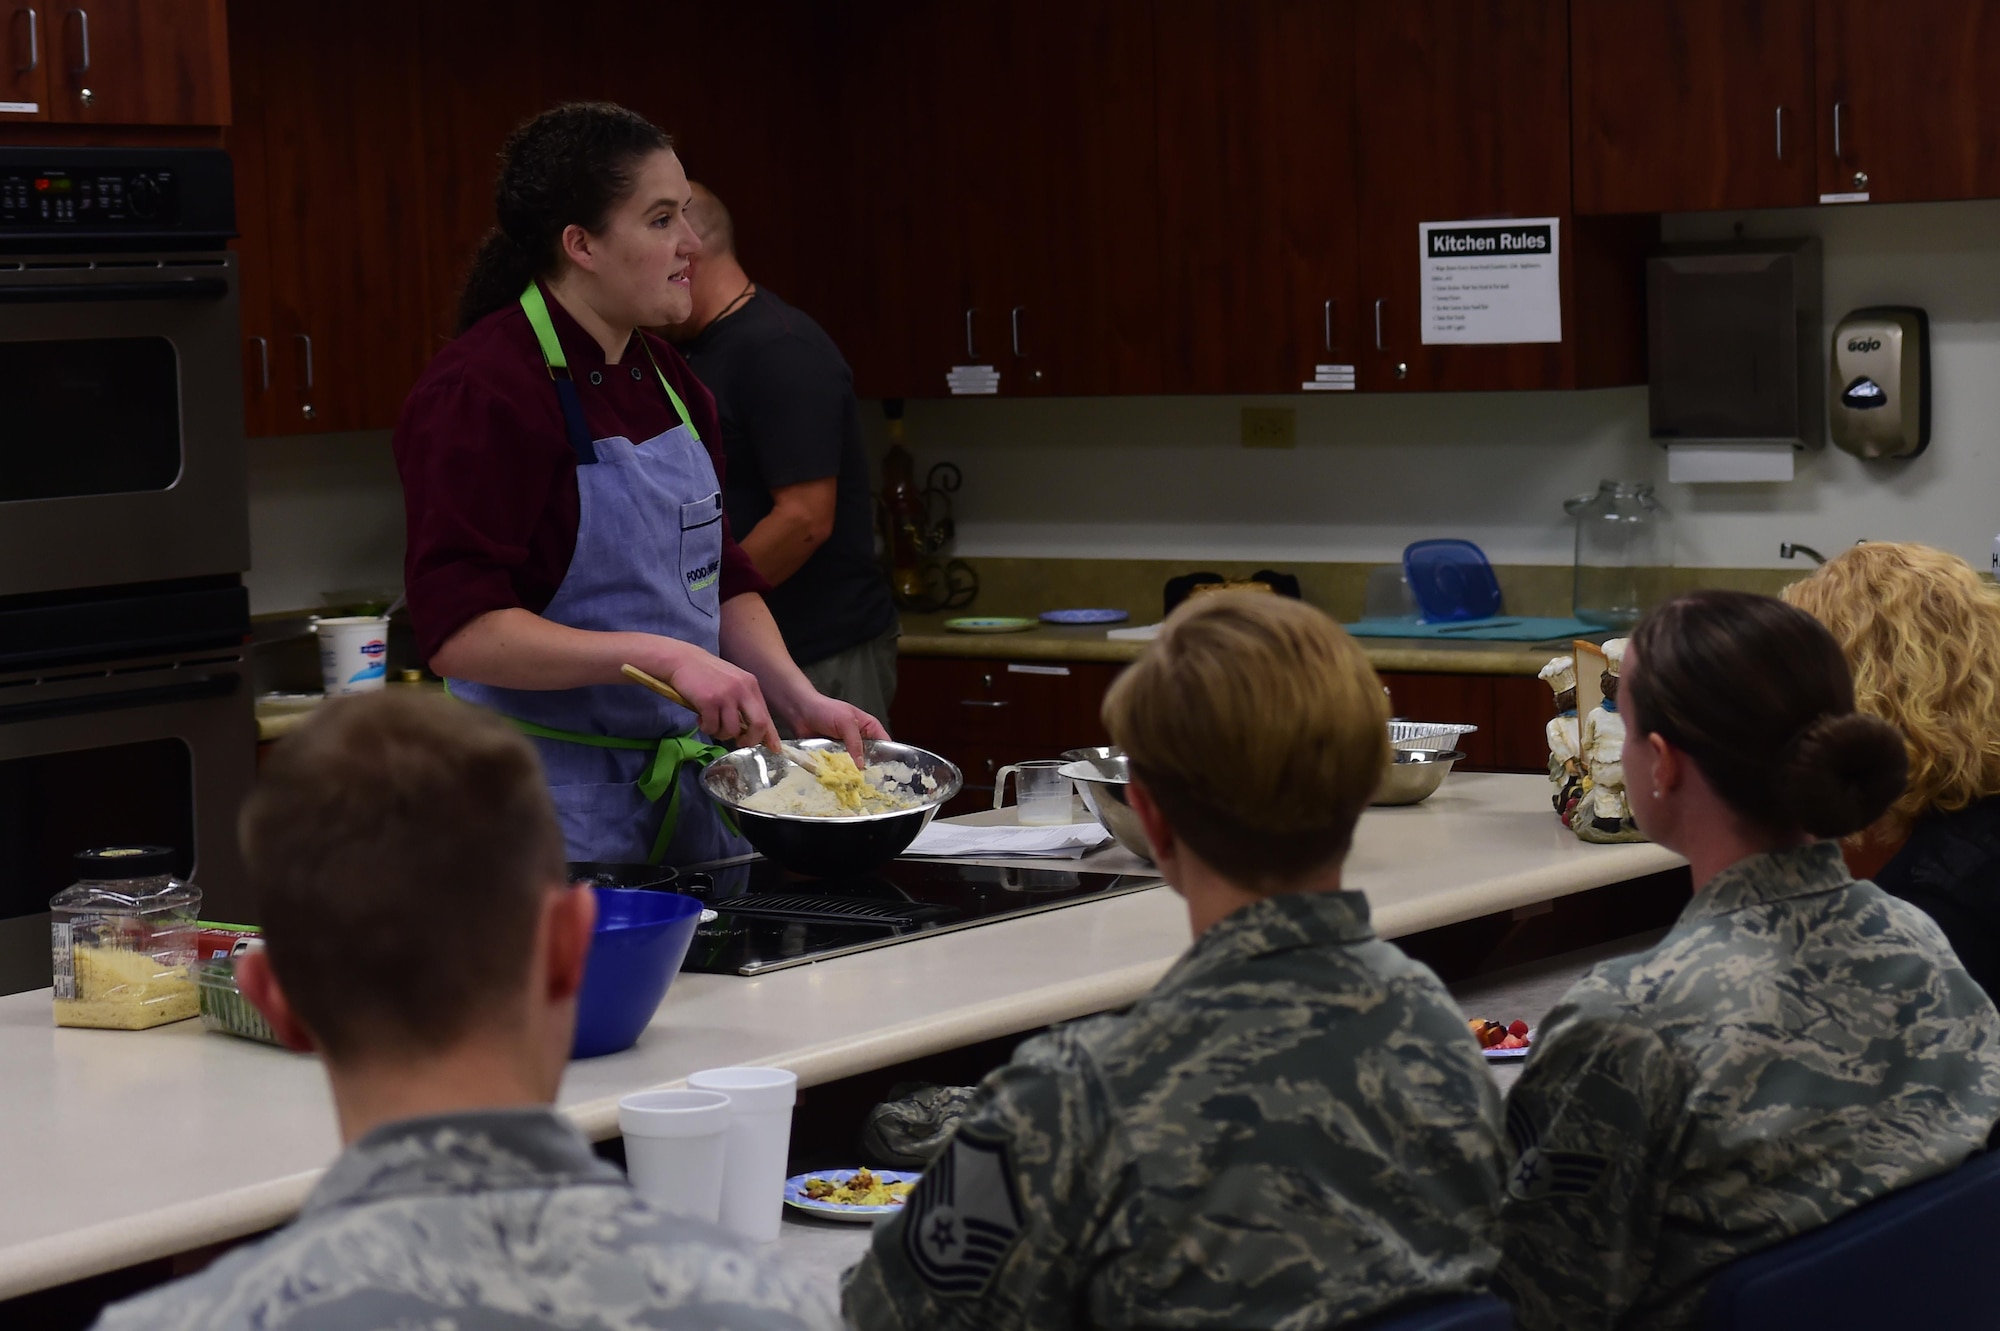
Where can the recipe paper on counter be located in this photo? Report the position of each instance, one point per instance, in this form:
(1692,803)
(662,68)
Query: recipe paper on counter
(1491,281)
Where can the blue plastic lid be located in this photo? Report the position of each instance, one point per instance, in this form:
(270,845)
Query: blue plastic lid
(1451,581)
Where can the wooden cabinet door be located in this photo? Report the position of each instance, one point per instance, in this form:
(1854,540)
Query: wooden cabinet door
(24,64)
(1084,246)
(1462,113)
(1257,205)
(1909,98)
(141,62)
(1682,105)
(344,206)
(245,143)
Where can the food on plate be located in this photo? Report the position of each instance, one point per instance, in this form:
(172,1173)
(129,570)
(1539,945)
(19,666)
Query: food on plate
(1494,1035)
(843,789)
(863,1187)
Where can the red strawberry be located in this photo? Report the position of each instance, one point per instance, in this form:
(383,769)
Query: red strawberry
(1518,1028)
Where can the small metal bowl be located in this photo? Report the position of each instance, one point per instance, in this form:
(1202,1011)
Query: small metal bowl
(828,847)
(1413,776)
(1102,780)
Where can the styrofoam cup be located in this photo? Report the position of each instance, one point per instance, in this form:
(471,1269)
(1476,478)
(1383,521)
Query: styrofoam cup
(353,653)
(760,1141)
(675,1146)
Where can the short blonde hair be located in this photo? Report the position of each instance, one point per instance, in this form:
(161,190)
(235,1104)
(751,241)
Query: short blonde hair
(1260,730)
(1922,635)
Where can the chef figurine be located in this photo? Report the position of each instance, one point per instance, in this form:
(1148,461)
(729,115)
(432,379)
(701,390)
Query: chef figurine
(1566,772)
(1604,814)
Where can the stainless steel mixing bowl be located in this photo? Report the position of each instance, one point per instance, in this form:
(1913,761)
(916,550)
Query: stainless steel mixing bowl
(1102,780)
(1414,776)
(827,847)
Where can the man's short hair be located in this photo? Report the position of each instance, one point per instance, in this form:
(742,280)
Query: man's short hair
(400,846)
(710,218)
(1261,732)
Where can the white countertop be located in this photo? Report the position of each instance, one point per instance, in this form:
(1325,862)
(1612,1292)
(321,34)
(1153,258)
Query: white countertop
(119,1147)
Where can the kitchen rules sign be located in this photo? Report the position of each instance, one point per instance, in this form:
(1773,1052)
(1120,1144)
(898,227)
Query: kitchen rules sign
(1491,281)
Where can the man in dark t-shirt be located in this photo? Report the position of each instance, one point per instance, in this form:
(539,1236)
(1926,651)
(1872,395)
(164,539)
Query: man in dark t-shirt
(797,489)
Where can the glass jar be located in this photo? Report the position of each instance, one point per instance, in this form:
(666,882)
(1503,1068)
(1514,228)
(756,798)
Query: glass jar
(122,939)
(1624,551)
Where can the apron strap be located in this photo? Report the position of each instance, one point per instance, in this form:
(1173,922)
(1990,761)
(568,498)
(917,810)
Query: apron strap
(574,425)
(660,777)
(537,309)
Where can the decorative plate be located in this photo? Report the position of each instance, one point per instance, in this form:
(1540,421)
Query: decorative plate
(1512,1055)
(988,624)
(795,1194)
(1085,616)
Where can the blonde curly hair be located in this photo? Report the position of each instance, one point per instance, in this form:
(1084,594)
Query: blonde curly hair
(1921,632)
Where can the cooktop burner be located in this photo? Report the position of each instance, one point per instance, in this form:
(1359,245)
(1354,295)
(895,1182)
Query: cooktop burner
(769,918)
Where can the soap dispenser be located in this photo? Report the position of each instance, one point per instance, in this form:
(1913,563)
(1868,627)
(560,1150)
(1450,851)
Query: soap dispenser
(1881,382)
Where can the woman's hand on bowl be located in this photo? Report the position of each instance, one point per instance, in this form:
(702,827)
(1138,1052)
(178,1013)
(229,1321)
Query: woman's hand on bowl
(817,714)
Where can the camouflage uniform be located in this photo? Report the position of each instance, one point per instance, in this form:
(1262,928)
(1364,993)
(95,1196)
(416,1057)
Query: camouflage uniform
(479,1221)
(1294,1129)
(1798,1044)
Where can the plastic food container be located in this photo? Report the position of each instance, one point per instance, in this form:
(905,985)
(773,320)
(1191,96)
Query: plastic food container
(223,1006)
(122,939)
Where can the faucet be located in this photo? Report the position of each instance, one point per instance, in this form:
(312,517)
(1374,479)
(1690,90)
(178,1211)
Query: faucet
(1787,550)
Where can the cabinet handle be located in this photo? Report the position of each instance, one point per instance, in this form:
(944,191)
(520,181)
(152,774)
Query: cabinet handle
(83,43)
(982,702)
(1838,154)
(34,44)
(1326,325)
(1378,327)
(1781,133)
(263,362)
(970,354)
(1014,328)
(307,342)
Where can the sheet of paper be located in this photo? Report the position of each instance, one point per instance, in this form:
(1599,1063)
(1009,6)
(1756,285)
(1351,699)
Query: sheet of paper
(1491,281)
(1064,841)
(972,380)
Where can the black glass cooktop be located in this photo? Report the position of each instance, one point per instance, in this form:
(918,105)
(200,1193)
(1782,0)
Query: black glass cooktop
(768,918)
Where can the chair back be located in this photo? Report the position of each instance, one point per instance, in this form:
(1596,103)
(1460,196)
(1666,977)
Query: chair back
(1920,1257)
(1479,1312)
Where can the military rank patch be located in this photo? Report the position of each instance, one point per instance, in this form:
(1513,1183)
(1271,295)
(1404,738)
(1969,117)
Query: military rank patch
(1538,1173)
(963,1217)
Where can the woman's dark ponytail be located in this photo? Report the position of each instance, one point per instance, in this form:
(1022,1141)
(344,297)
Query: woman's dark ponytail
(568,166)
(1758,694)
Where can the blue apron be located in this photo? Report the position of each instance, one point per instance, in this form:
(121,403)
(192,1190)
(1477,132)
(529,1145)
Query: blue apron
(624,764)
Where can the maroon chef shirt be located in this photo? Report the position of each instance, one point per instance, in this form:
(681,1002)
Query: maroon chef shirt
(489,478)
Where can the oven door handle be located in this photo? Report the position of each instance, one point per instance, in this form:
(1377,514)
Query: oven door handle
(180,288)
(197,690)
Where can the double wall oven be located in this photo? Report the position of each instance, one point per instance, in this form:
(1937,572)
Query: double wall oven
(125,698)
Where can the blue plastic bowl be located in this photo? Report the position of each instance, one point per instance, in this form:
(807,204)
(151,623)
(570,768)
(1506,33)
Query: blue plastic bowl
(640,941)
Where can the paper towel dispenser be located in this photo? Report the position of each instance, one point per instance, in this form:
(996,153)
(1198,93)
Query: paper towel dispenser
(1882,382)
(1733,343)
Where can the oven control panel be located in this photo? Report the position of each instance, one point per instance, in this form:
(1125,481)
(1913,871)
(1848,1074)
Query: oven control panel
(122,195)
(58,198)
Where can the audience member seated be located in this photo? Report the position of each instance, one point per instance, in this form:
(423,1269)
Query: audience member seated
(1799,1043)
(1922,635)
(424,939)
(1293,1129)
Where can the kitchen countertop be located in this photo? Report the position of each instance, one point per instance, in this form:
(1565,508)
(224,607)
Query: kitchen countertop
(120,1147)
(926,635)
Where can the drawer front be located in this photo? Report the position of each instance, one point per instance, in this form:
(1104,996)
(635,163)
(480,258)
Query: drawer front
(996,704)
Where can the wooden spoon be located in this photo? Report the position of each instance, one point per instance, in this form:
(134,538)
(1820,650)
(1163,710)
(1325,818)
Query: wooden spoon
(661,687)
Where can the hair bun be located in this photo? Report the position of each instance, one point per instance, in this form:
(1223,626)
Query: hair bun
(1843,772)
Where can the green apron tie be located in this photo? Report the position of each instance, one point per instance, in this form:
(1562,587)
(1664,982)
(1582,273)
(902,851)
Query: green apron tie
(660,777)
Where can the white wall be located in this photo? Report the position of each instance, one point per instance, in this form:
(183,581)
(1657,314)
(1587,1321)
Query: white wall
(326,515)
(1165,478)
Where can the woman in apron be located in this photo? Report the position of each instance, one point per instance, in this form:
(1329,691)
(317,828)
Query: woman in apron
(561,488)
